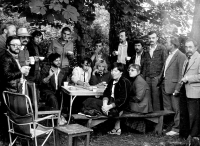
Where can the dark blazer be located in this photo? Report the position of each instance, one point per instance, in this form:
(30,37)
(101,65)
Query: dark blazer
(153,66)
(140,97)
(96,79)
(121,92)
(9,71)
(173,73)
(51,86)
(33,50)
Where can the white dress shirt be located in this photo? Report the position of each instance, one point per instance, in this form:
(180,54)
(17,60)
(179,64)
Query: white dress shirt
(151,50)
(79,74)
(138,58)
(122,53)
(169,58)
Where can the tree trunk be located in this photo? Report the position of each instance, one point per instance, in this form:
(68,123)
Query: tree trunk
(196,22)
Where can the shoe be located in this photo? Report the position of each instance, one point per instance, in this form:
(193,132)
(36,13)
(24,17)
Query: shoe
(115,131)
(172,133)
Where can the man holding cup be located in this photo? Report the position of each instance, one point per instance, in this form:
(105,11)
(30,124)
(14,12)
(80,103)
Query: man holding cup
(125,49)
(23,35)
(64,47)
(52,77)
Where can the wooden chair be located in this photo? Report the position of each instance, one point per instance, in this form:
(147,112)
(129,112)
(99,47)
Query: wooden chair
(31,92)
(21,120)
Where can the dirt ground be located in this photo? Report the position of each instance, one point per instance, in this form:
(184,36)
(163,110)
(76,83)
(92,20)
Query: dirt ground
(99,137)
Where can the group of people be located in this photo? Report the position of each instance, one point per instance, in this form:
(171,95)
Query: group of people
(136,79)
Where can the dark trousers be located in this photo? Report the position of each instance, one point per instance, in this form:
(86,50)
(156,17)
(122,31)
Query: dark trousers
(155,93)
(170,102)
(189,115)
(193,110)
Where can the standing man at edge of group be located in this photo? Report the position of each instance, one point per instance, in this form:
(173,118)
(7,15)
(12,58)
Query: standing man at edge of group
(169,81)
(154,61)
(191,83)
(7,30)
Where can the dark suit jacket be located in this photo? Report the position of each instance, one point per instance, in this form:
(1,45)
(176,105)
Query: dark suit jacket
(121,92)
(51,86)
(96,79)
(9,71)
(173,73)
(153,66)
(140,97)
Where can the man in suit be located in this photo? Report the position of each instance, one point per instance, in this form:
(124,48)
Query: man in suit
(171,76)
(154,61)
(191,82)
(52,78)
(125,49)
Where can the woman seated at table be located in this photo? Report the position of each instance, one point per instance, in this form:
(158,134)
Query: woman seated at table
(140,98)
(115,97)
(101,76)
(81,75)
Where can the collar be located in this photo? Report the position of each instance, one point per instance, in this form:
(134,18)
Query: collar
(153,47)
(139,53)
(172,53)
(124,44)
(15,56)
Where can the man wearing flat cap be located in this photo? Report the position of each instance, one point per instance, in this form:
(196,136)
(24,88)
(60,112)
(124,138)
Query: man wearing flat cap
(23,35)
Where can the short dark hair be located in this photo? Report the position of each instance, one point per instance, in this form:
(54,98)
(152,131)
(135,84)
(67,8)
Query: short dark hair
(10,38)
(175,41)
(152,32)
(122,30)
(89,61)
(119,66)
(135,66)
(138,41)
(192,40)
(66,29)
(36,33)
(53,57)
(98,41)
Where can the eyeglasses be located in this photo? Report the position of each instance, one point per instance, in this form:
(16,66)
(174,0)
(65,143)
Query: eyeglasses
(15,45)
(132,70)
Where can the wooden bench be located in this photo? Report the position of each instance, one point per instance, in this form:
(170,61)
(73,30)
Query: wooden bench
(157,115)
(72,131)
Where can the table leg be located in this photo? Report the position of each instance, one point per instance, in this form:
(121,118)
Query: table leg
(70,107)
(87,139)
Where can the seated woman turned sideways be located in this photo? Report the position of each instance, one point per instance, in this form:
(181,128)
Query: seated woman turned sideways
(140,97)
(100,76)
(81,75)
(115,97)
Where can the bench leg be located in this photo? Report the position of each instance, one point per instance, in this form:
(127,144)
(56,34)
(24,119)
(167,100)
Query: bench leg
(69,140)
(159,126)
(57,137)
(87,139)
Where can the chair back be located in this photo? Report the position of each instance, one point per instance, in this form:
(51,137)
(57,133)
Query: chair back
(19,112)
(30,90)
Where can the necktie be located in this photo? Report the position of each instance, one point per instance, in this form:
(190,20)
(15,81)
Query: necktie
(186,66)
(84,76)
